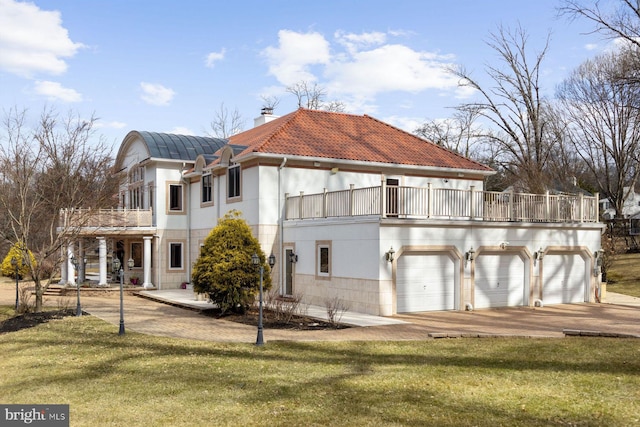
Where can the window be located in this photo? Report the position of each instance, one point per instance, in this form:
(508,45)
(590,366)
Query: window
(323,265)
(207,189)
(233,181)
(175,254)
(150,192)
(175,197)
(136,254)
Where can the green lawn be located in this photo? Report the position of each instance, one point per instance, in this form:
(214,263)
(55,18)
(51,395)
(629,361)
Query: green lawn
(138,380)
(624,275)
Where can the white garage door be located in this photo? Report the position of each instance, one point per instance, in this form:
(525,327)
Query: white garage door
(499,281)
(564,279)
(425,283)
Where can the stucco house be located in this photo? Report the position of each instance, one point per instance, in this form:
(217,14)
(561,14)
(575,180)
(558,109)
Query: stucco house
(352,208)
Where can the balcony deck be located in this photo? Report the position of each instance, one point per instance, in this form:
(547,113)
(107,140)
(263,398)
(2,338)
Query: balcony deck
(443,203)
(106,219)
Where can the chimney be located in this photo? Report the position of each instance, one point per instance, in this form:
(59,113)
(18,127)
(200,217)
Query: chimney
(266,115)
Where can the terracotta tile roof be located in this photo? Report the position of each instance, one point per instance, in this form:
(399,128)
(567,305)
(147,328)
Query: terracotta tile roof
(331,135)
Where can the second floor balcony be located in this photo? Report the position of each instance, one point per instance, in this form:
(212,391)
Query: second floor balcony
(105,218)
(443,203)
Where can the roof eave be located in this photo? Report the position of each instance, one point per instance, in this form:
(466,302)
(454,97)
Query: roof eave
(359,163)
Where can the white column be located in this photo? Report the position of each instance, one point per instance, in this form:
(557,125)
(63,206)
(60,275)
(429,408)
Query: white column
(102,260)
(146,284)
(71,280)
(63,267)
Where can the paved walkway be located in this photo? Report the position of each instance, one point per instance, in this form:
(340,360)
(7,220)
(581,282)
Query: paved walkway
(619,316)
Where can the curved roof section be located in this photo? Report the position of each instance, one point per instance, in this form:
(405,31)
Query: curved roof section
(180,147)
(315,133)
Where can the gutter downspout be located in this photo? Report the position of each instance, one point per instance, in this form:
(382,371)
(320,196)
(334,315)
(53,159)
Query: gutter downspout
(284,162)
(187,204)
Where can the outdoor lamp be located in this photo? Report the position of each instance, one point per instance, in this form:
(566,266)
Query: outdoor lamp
(118,267)
(130,263)
(255,259)
(74,261)
(293,258)
(389,255)
(470,256)
(14,263)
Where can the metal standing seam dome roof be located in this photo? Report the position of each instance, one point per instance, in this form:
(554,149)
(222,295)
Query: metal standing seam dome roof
(180,147)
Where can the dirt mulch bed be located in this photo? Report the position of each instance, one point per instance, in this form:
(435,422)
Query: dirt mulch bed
(271,321)
(29,320)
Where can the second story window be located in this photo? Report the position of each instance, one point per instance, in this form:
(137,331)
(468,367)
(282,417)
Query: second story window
(233,181)
(207,189)
(175,197)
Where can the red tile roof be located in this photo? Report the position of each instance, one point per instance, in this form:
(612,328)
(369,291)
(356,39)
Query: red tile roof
(322,134)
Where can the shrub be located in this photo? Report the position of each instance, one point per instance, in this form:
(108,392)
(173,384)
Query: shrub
(224,269)
(18,251)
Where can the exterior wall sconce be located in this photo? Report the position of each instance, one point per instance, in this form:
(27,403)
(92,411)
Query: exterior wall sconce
(389,255)
(469,256)
(130,263)
(504,245)
(293,257)
(538,255)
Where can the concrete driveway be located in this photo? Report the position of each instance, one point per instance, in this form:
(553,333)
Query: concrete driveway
(620,316)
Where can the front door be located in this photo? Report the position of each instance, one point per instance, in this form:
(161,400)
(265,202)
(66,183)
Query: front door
(392,197)
(288,277)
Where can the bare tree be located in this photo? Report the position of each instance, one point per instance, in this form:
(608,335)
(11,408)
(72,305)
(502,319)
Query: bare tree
(270,102)
(45,168)
(623,21)
(225,123)
(312,96)
(459,133)
(605,121)
(515,108)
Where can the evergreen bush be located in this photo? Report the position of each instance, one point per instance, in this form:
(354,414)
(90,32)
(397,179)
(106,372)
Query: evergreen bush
(224,269)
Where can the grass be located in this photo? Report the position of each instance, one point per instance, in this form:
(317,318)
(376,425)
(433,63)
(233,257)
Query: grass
(624,275)
(147,381)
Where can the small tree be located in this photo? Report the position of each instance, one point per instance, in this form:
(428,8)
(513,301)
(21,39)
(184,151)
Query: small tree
(224,269)
(18,252)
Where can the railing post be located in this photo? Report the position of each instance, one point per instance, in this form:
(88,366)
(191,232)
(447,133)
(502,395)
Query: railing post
(547,207)
(597,208)
(472,205)
(351,207)
(286,206)
(301,205)
(383,197)
(581,210)
(512,213)
(324,203)
(429,200)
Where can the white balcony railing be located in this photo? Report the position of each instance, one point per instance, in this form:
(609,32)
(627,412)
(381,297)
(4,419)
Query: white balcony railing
(106,218)
(443,203)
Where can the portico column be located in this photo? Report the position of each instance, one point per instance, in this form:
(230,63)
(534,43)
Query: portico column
(71,280)
(147,263)
(102,261)
(63,267)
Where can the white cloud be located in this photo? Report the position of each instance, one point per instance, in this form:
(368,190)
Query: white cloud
(179,130)
(56,92)
(591,46)
(156,94)
(289,62)
(213,57)
(33,40)
(359,67)
(110,125)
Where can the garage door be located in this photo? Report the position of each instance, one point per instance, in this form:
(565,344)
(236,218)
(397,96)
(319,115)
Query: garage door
(499,281)
(425,283)
(563,279)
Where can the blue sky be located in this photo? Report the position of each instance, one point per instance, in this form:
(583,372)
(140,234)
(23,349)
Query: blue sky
(168,66)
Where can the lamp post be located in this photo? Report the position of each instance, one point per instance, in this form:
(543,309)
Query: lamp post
(255,259)
(74,261)
(118,266)
(14,262)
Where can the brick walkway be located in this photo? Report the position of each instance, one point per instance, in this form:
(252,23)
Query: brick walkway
(151,317)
